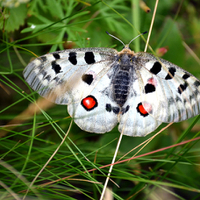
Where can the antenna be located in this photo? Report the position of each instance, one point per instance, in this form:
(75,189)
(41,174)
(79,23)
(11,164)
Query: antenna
(130,41)
(137,37)
(115,38)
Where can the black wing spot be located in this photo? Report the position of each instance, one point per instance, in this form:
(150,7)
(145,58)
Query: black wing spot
(44,73)
(197,83)
(116,110)
(156,68)
(87,78)
(48,77)
(56,55)
(89,57)
(182,87)
(185,76)
(149,88)
(196,92)
(56,79)
(108,107)
(170,101)
(177,99)
(56,67)
(124,110)
(171,73)
(72,58)
(44,58)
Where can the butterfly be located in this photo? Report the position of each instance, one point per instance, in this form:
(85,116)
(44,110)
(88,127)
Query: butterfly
(103,87)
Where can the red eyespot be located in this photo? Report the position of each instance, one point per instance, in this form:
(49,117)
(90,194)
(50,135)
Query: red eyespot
(144,109)
(89,103)
(152,81)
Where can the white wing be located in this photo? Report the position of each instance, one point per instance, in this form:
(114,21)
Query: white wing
(70,76)
(172,93)
(83,79)
(161,92)
(59,74)
(135,122)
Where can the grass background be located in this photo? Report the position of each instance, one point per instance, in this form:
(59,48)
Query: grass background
(37,27)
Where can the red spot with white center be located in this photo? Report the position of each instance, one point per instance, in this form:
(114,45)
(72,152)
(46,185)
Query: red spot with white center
(89,103)
(152,81)
(92,73)
(144,108)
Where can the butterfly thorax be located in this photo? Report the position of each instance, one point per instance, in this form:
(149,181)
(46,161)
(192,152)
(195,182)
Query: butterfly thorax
(122,78)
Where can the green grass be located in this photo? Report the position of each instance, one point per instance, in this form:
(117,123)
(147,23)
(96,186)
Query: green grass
(33,144)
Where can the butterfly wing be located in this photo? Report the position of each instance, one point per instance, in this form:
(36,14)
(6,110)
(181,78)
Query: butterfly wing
(170,94)
(78,78)
(160,92)
(137,122)
(82,79)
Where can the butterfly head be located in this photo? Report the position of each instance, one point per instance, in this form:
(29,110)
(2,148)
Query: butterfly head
(126,47)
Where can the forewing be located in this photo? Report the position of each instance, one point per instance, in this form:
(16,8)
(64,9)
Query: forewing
(170,94)
(60,74)
(69,76)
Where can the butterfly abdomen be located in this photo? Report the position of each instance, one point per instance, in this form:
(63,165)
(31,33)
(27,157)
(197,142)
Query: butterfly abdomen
(122,78)
(121,87)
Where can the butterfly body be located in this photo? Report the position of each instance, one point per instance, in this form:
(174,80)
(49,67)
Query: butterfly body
(103,87)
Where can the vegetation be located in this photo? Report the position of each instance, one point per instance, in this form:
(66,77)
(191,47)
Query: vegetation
(43,155)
